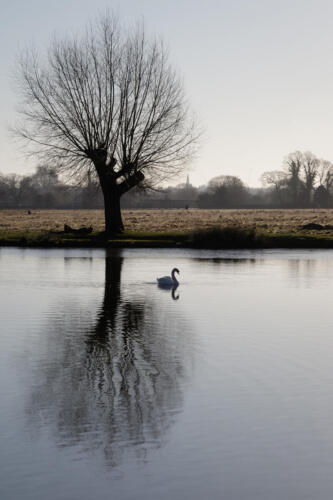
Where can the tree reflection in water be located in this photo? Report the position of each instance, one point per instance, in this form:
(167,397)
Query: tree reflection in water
(118,385)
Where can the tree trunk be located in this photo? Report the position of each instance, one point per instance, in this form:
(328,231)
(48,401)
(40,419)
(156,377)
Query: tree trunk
(113,220)
(111,194)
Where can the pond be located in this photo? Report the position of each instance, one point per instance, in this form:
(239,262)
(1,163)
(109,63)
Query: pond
(114,388)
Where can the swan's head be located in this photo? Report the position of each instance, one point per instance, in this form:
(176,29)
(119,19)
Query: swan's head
(175,270)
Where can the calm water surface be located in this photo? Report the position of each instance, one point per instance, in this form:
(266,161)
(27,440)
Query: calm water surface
(112,388)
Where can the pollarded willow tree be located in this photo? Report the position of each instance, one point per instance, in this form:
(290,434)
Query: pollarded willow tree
(108,103)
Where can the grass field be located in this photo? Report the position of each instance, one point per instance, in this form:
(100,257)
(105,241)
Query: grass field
(271,221)
(189,228)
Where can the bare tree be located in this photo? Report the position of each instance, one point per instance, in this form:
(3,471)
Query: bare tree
(277,180)
(110,104)
(293,165)
(224,191)
(310,165)
(325,174)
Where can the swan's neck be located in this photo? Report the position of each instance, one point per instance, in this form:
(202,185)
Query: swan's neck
(173,277)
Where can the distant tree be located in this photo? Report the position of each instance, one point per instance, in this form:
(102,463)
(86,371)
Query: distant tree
(10,186)
(323,193)
(4,192)
(310,165)
(325,174)
(302,169)
(46,177)
(277,180)
(182,192)
(322,197)
(28,195)
(224,191)
(292,166)
(229,190)
(107,103)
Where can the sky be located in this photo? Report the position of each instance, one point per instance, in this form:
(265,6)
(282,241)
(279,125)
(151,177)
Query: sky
(257,73)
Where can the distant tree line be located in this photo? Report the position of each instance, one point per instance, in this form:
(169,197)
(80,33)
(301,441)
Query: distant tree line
(44,189)
(303,182)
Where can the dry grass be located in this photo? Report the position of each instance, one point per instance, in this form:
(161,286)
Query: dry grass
(272,221)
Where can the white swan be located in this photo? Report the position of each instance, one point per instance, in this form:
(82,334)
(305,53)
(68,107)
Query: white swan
(169,281)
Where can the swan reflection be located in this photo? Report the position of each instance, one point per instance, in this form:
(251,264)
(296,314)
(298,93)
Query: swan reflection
(174,290)
(115,385)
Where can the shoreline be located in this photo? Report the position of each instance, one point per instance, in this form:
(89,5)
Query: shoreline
(216,238)
(201,229)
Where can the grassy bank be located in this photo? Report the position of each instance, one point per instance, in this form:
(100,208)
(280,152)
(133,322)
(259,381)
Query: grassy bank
(165,221)
(213,238)
(172,228)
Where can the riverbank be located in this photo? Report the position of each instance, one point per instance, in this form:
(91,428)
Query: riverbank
(166,221)
(308,228)
(214,238)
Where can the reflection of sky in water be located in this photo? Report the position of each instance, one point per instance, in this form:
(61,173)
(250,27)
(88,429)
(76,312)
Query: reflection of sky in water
(108,384)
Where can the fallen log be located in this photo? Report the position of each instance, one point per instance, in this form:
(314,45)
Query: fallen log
(81,230)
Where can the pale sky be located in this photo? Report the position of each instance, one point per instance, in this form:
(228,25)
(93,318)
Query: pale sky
(258,73)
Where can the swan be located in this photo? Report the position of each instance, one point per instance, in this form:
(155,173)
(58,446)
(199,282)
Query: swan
(169,281)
